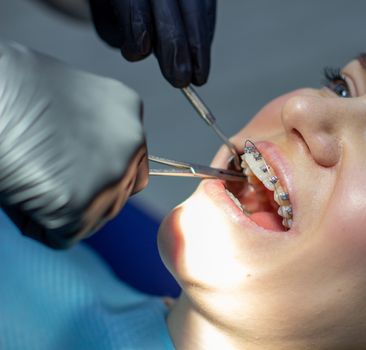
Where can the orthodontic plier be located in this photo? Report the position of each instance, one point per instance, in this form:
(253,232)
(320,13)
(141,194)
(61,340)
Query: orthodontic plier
(185,169)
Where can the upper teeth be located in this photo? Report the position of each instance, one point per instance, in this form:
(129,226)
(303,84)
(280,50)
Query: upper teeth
(256,169)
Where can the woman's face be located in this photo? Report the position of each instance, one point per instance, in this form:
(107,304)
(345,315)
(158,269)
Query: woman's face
(311,279)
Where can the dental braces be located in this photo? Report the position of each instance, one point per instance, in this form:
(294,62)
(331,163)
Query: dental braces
(285,209)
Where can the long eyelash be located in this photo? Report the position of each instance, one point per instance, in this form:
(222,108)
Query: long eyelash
(332,74)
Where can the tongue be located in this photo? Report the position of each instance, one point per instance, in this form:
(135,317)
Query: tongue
(260,202)
(267,220)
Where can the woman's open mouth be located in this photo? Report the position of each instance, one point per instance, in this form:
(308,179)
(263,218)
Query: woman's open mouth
(264,198)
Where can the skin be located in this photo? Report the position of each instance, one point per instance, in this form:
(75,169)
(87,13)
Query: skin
(301,289)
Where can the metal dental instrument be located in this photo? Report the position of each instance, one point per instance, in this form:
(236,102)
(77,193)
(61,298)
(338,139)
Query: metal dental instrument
(194,170)
(209,118)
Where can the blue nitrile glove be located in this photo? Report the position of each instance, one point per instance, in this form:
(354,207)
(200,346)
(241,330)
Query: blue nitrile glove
(178,32)
(72,147)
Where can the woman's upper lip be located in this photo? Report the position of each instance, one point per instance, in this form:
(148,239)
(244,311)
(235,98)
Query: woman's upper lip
(273,156)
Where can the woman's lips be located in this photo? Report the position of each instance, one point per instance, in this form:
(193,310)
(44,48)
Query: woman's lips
(216,190)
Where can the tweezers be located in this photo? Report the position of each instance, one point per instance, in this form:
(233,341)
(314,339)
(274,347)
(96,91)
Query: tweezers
(205,113)
(194,170)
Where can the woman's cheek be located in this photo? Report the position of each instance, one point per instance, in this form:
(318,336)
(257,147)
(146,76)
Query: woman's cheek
(345,222)
(198,247)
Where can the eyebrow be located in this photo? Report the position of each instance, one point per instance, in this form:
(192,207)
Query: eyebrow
(362,59)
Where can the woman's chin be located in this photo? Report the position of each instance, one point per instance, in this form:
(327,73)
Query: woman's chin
(170,240)
(197,245)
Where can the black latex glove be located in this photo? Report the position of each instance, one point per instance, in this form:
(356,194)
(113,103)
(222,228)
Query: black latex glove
(178,32)
(72,147)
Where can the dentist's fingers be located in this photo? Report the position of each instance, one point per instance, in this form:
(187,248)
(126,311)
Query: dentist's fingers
(172,49)
(136,28)
(199,18)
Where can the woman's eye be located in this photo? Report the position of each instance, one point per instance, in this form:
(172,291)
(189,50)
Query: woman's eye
(336,82)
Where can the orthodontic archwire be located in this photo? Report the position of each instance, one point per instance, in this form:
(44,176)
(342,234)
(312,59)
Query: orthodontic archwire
(250,148)
(205,113)
(257,155)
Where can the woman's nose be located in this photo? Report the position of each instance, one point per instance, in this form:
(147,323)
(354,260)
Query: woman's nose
(316,119)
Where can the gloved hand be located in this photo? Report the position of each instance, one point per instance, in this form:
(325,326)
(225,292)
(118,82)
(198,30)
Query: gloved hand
(72,147)
(179,32)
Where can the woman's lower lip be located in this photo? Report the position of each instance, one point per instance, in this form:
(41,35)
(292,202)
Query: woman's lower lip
(216,191)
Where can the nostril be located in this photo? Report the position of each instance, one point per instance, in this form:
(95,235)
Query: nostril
(297,135)
(310,120)
(323,148)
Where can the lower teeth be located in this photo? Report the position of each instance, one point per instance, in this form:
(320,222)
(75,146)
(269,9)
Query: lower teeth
(237,202)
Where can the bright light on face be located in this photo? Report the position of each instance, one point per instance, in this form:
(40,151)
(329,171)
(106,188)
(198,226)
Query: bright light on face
(210,252)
